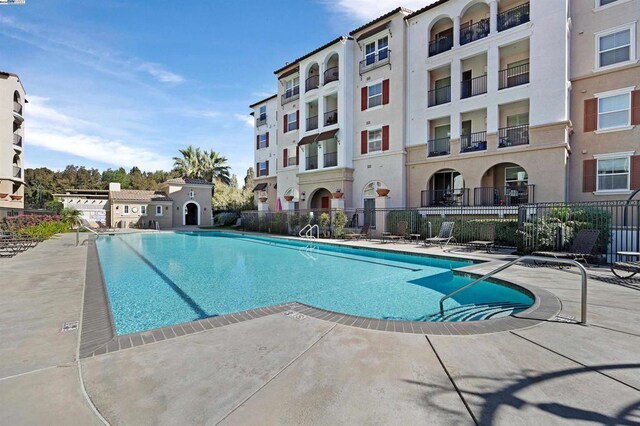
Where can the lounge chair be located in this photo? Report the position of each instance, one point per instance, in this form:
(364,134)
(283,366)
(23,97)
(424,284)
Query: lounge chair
(580,249)
(631,268)
(364,233)
(487,237)
(445,236)
(103,227)
(400,234)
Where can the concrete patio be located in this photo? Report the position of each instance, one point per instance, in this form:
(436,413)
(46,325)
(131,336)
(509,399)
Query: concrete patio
(278,369)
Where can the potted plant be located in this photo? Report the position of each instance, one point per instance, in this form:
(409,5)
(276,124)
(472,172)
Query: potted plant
(338,193)
(3,195)
(288,198)
(16,197)
(382,192)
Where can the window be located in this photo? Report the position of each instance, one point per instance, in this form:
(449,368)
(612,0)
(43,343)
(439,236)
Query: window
(262,140)
(292,87)
(262,169)
(613,174)
(376,50)
(375,140)
(515,176)
(614,111)
(263,113)
(605,2)
(374,95)
(126,209)
(615,47)
(292,122)
(143,210)
(158,210)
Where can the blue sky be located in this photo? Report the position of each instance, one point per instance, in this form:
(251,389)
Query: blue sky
(123,83)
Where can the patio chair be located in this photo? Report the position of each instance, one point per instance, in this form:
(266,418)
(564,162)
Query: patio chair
(445,236)
(631,268)
(400,234)
(487,237)
(581,247)
(104,227)
(364,233)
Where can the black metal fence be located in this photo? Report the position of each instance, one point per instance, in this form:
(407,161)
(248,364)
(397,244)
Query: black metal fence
(474,86)
(474,32)
(439,96)
(524,229)
(513,17)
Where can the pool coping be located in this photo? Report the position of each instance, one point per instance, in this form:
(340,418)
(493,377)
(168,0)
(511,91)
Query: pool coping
(98,334)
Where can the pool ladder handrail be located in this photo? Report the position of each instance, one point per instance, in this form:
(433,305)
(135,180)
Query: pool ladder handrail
(307,232)
(583,272)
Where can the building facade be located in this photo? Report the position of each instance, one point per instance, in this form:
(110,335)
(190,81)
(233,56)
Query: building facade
(12,103)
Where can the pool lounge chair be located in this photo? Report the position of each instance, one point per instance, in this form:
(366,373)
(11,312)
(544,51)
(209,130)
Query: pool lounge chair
(631,268)
(580,249)
(364,233)
(487,237)
(400,234)
(444,237)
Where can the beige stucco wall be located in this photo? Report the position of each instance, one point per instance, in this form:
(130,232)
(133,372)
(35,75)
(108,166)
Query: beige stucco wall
(180,196)
(10,184)
(310,183)
(121,220)
(270,192)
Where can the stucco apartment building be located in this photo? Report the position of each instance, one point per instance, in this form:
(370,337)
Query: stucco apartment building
(460,103)
(12,102)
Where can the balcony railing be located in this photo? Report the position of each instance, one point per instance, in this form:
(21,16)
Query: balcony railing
(473,142)
(513,136)
(513,17)
(438,147)
(474,32)
(440,96)
(331,74)
(439,45)
(17,172)
(261,120)
(330,159)
(374,61)
(291,95)
(17,107)
(312,123)
(473,87)
(312,162)
(330,117)
(445,197)
(17,140)
(514,76)
(312,83)
(512,195)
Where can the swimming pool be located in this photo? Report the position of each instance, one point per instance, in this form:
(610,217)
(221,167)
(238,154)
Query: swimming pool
(159,279)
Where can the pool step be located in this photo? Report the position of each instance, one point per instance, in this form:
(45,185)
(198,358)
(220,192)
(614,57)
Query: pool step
(477,312)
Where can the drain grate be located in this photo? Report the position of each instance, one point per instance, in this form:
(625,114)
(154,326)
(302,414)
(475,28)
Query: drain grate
(294,315)
(69,326)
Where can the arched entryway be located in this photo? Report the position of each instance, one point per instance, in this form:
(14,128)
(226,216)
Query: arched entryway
(321,200)
(445,188)
(191,213)
(505,184)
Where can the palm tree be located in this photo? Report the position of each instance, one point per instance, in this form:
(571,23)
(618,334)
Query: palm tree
(71,216)
(208,165)
(215,168)
(190,165)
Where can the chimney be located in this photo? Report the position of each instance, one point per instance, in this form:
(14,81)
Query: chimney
(114,186)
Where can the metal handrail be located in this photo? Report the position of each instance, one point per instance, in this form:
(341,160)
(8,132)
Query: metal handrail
(583,272)
(303,231)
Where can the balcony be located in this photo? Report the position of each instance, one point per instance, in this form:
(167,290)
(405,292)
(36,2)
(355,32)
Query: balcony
(473,142)
(331,117)
(513,17)
(312,162)
(439,147)
(444,197)
(262,120)
(17,107)
(514,76)
(331,74)
(312,123)
(440,45)
(513,195)
(291,95)
(513,136)
(474,32)
(473,87)
(17,172)
(374,61)
(330,159)
(17,140)
(312,83)
(439,96)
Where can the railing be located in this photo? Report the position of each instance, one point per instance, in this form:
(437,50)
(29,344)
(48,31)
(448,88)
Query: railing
(513,195)
(473,142)
(331,74)
(312,83)
(374,61)
(312,162)
(330,117)
(17,172)
(17,140)
(514,76)
(513,136)
(439,45)
(261,120)
(474,32)
(473,87)
(439,96)
(437,147)
(513,17)
(17,107)
(290,95)
(444,197)
(312,123)
(583,273)
(307,232)
(330,159)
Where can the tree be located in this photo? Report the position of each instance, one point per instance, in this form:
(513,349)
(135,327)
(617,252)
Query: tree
(207,165)
(190,163)
(215,168)
(71,217)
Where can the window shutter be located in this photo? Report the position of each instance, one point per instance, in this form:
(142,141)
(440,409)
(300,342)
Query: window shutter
(297,119)
(297,155)
(266,173)
(385,138)
(635,107)
(258,169)
(590,115)
(363,98)
(267,139)
(285,122)
(285,157)
(364,142)
(589,175)
(635,172)
(385,92)
(257,141)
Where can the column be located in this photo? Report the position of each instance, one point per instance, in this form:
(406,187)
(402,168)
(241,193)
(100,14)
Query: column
(493,17)
(493,68)
(456,32)
(382,204)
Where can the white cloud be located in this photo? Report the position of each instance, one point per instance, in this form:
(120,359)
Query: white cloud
(366,10)
(246,119)
(37,110)
(161,74)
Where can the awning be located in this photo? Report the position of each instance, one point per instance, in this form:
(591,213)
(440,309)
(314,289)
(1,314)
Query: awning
(327,135)
(308,139)
(260,187)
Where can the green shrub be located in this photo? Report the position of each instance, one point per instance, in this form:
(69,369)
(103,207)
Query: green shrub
(339,221)
(225,219)
(45,230)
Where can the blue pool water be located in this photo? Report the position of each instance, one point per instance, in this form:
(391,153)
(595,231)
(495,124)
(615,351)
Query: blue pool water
(160,279)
